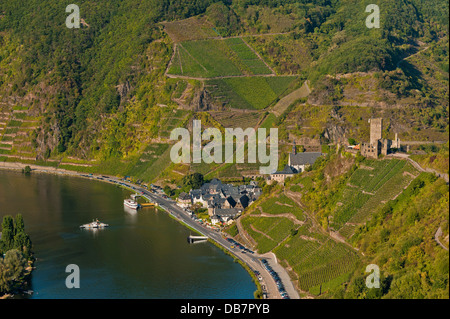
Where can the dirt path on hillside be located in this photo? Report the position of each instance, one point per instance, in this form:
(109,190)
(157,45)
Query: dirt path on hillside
(260,232)
(259,57)
(296,198)
(287,100)
(174,76)
(244,235)
(420,168)
(410,56)
(331,235)
(436,237)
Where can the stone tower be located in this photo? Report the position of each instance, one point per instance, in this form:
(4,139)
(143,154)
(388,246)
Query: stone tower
(376,130)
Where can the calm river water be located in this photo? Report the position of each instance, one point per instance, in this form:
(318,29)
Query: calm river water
(141,255)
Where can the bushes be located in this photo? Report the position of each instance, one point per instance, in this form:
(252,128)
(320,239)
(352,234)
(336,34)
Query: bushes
(223,18)
(192,181)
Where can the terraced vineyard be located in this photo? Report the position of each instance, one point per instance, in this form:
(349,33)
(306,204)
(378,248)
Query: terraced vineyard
(267,231)
(331,260)
(235,75)
(15,133)
(316,259)
(216,58)
(273,221)
(367,189)
(236,118)
(282,205)
(172,121)
(253,93)
(148,158)
(319,261)
(250,60)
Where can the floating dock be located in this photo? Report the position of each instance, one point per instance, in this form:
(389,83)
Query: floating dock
(193,239)
(143,205)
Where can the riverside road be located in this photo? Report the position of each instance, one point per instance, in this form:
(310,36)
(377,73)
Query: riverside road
(252,260)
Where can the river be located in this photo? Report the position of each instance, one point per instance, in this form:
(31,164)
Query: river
(142,254)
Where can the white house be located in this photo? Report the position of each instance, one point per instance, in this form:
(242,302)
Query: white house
(215,219)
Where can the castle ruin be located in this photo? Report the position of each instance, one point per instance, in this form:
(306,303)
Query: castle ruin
(378,145)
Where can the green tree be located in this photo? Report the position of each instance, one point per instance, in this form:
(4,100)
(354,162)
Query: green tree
(169,191)
(12,270)
(8,233)
(19,224)
(27,170)
(22,242)
(224,18)
(258,294)
(195,180)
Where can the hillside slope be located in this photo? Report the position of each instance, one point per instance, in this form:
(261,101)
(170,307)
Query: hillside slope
(104,98)
(325,226)
(85,92)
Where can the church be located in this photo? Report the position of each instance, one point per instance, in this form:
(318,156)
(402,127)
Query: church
(300,161)
(297,163)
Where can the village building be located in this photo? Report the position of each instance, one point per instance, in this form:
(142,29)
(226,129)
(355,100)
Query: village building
(297,163)
(184,199)
(226,215)
(215,219)
(225,202)
(300,161)
(280,176)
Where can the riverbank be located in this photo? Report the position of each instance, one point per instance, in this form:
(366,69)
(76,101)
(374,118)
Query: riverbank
(250,263)
(40,169)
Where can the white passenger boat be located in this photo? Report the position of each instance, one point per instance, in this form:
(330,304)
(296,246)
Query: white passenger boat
(131,203)
(94,224)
